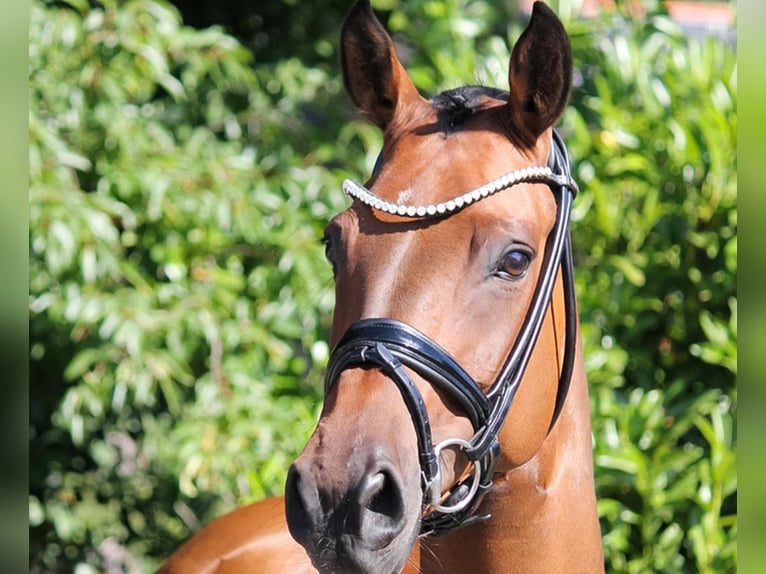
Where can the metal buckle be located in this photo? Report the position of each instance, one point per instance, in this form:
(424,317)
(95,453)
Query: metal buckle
(432,490)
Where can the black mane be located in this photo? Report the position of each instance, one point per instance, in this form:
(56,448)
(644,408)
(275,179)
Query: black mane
(459,103)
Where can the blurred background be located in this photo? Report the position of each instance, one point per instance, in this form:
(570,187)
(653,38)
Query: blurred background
(183,160)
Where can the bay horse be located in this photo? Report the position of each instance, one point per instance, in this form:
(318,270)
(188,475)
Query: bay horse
(455,432)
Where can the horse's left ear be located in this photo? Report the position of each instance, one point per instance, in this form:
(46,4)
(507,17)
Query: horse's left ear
(540,75)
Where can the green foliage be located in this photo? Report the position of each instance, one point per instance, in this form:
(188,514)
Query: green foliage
(653,125)
(269,29)
(179,301)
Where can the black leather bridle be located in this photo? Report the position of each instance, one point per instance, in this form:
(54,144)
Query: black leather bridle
(391,346)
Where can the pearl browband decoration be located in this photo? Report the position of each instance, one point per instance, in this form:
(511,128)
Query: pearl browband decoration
(544,174)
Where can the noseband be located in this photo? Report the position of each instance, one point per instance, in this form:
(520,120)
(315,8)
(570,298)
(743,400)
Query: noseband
(391,346)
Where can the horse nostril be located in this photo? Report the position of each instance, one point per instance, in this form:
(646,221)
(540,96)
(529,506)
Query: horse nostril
(382,495)
(381,507)
(296,511)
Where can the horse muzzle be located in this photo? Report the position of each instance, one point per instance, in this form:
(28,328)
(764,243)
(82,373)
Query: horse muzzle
(358,525)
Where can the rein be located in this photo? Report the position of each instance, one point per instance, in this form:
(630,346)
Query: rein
(391,346)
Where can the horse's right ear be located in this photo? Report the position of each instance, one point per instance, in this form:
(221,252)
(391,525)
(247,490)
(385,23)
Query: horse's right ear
(372,73)
(540,75)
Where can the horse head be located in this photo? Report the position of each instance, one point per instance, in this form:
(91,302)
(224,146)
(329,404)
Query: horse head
(452,321)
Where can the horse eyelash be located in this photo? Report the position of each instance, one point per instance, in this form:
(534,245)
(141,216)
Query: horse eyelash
(326,241)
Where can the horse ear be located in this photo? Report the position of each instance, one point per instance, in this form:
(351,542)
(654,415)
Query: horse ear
(372,73)
(540,75)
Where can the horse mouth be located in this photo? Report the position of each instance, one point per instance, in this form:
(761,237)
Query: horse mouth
(337,558)
(344,555)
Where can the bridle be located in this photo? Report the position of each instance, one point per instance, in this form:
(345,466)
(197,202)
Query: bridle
(391,345)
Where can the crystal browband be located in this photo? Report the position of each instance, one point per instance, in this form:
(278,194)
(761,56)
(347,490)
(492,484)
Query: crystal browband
(544,174)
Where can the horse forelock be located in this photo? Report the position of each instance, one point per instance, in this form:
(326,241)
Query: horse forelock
(458,104)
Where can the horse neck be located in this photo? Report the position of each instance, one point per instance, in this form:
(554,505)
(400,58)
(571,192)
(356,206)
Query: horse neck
(542,514)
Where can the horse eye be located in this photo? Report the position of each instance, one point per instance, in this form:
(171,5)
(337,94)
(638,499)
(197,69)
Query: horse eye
(514,264)
(329,252)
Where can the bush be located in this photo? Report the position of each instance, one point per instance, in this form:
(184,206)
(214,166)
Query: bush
(180,303)
(653,124)
(179,299)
